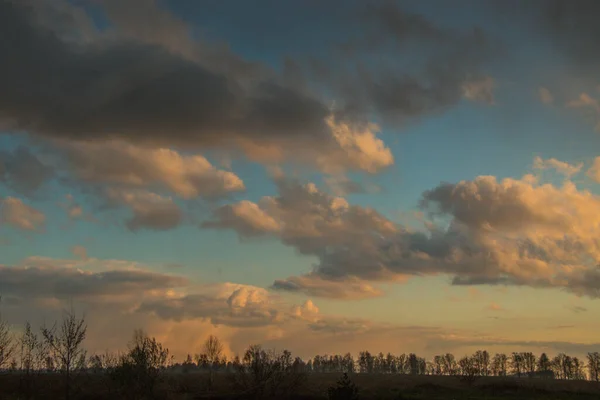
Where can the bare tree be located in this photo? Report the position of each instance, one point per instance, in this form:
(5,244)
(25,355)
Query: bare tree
(529,362)
(213,351)
(7,343)
(140,369)
(517,364)
(543,363)
(594,366)
(65,342)
(32,353)
(499,364)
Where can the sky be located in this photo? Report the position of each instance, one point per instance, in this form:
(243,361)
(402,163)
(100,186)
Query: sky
(325,177)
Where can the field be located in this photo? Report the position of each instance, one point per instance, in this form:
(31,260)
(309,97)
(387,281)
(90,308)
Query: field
(371,386)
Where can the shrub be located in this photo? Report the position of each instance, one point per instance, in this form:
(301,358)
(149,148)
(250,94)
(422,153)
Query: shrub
(345,390)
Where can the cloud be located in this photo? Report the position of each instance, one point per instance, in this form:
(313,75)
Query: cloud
(546,96)
(170,98)
(123,164)
(315,285)
(562,167)
(23,171)
(588,104)
(51,280)
(480,90)
(308,311)
(150,210)
(482,232)
(170,88)
(244,306)
(584,100)
(118,296)
(15,213)
(594,171)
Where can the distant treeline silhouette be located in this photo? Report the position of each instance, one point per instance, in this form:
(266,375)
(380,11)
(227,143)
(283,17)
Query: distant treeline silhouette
(59,350)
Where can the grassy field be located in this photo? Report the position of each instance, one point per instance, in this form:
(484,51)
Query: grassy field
(394,387)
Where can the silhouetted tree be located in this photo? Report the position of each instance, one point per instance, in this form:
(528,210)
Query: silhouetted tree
(481,361)
(593,366)
(529,362)
(577,370)
(449,366)
(348,362)
(516,362)
(212,356)
(543,363)
(141,367)
(500,364)
(268,373)
(344,390)
(7,343)
(32,354)
(468,368)
(64,342)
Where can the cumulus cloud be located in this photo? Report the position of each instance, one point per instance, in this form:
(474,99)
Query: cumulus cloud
(14,212)
(121,163)
(245,306)
(169,98)
(170,88)
(150,210)
(562,167)
(509,232)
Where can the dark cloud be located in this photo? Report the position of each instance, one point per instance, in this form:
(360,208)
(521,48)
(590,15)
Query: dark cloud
(119,88)
(23,171)
(569,26)
(58,282)
(164,87)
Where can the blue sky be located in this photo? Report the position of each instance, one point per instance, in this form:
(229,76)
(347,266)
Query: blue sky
(122,169)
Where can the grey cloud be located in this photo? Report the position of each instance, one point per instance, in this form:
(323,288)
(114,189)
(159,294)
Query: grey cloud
(33,282)
(163,87)
(138,91)
(150,211)
(23,171)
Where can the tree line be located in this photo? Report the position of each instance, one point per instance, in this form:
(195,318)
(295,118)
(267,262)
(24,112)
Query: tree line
(59,350)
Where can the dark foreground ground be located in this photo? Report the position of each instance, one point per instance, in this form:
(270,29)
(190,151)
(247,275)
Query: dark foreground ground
(394,387)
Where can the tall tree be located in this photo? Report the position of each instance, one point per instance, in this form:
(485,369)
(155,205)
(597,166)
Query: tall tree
(544,363)
(64,341)
(7,342)
(593,365)
(516,362)
(529,362)
(213,349)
